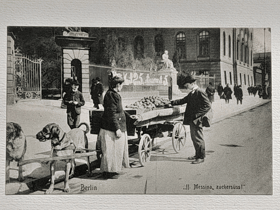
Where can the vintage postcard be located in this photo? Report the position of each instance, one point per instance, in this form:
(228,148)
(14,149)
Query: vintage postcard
(169,103)
(138,111)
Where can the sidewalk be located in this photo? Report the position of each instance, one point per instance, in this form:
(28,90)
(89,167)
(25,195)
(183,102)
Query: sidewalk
(38,174)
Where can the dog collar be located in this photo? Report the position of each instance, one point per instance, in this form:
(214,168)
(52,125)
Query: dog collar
(59,142)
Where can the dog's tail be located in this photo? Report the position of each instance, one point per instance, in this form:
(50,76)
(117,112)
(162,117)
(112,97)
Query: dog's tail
(85,124)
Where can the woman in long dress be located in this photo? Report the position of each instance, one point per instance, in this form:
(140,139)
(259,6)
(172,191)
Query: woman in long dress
(113,135)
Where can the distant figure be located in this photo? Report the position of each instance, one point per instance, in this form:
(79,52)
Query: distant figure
(65,89)
(210,91)
(97,92)
(168,63)
(254,90)
(220,90)
(234,90)
(239,94)
(260,91)
(93,84)
(249,90)
(227,93)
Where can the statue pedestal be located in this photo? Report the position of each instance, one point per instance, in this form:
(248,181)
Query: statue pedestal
(173,74)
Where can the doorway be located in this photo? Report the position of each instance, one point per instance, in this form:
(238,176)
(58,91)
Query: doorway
(76,71)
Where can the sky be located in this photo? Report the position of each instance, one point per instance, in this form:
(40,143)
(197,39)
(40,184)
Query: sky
(259,41)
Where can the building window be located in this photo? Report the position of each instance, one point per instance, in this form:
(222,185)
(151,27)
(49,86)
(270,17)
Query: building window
(244,79)
(225,73)
(159,45)
(229,46)
(138,47)
(224,38)
(181,44)
(240,79)
(121,44)
(251,36)
(204,43)
(101,57)
(245,55)
(237,50)
(242,48)
(248,56)
(248,80)
(230,78)
(251,60)
(252,82)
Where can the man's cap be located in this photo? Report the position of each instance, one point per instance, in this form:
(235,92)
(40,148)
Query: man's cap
(68,80)
(98,79)
(189,79)
(75,82)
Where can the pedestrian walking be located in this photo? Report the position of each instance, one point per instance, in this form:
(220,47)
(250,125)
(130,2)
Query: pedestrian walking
(227,93)
(239,94)
(65,89)
(234,89)
(210,91)
(249,90)
(74,100)
(198,105)
(254,90)
(96,93)
(113,135)
(220,90)
(92,90)
(260,91)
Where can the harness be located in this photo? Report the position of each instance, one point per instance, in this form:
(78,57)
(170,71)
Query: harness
(68,146)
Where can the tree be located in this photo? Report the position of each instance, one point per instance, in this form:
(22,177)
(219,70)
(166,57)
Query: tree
(39,42)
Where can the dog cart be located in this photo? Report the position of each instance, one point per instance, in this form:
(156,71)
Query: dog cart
(149,125)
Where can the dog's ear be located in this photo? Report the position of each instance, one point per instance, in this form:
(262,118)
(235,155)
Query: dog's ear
(10,130)
(55,131)
(17,129)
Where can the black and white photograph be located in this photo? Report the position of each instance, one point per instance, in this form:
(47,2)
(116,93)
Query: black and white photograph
(140,108)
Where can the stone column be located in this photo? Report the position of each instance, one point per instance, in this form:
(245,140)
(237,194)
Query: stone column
(11,90)
(76,45)
(83,56)
(175,88)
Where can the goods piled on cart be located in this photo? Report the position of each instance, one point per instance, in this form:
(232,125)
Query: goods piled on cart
(146,120)
(149,103)
(154,108)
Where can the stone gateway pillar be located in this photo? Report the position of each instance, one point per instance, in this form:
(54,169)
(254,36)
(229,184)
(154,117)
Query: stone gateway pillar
(75,58)
(11,92)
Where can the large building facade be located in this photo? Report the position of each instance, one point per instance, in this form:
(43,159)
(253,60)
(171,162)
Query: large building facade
(225,53)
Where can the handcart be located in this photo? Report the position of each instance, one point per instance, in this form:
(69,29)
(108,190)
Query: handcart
(149,125)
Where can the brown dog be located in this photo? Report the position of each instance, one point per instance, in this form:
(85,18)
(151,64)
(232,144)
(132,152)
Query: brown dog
(15,147)
(64,144)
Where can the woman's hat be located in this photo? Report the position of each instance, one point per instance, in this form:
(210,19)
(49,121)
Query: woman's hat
(98,79)
(189,79)
(117,79)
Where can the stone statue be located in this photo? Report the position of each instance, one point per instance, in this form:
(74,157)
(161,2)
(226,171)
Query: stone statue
(167,62)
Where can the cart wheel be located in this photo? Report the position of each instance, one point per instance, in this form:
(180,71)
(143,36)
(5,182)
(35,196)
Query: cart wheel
(144,149)
(179,136)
